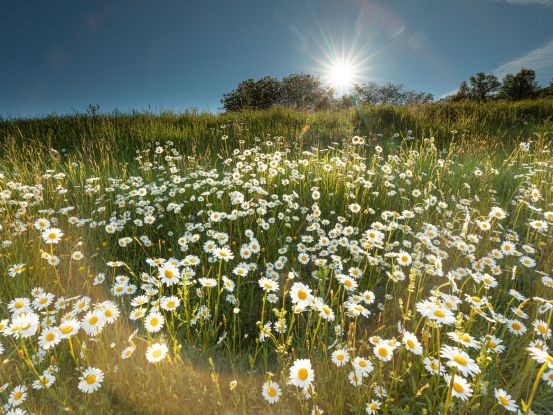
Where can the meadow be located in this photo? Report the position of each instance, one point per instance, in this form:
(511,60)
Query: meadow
(382,260)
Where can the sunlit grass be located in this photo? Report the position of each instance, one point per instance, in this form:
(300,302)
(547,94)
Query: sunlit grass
(279,244)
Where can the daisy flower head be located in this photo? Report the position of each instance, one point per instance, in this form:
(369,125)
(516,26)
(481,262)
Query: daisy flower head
(373,406)
(433,366)
(459,360)
(460,388)
(547,377)
(156,352)
(271,392)
(362,366)
(18,395)
(383,351)
(301,294)
(340,357)
(301,373)
(91,380)
(52,235)
(505,400)
(268,284)
(154,322)
(412,343)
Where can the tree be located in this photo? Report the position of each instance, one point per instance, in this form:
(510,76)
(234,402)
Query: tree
(523,85)
(261,94)
(304,91)
(266,92)
(389,93)
(344,102)
(367,93)
(483,86)
(463,93)
(240,98)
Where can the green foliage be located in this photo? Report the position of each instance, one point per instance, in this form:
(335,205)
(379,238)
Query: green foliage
(523,85)
(204,365)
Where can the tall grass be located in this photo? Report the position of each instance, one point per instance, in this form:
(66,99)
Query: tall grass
(447,166)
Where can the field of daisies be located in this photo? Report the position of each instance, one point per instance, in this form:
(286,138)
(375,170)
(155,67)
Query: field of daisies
(381,273)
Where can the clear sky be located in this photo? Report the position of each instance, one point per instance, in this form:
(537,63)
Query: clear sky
(60,56)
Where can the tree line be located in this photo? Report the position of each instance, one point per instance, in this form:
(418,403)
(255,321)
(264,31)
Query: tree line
(514,87)
(307,92)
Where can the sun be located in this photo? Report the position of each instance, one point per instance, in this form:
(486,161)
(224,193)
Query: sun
(341,75)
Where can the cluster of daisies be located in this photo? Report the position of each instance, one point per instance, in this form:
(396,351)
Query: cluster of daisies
(363,258)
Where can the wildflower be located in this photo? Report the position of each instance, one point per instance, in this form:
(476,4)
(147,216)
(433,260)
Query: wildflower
(362,366)
(16,269)
(223,253)
(541,356)
(268,284)
(301,373)
(340,357)
(548,377)
(52,235)
(541,328)
(505,400)
(412,343)
(127,352)
(169,274)
(516,327)
(154,322)
(460,360)
(301,294)
(91,379)
(433,366)
(18,395)
(373,406)
(383,351)
(460,388)
(271,392)
(156,352)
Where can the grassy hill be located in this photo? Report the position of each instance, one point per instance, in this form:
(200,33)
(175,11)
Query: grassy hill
(197,263)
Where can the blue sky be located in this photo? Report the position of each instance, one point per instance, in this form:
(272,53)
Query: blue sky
(60,56)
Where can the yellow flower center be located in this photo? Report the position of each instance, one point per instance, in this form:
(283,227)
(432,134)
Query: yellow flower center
(90,379)
(66,329)
(458,387)
(303,373)
(460,359)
